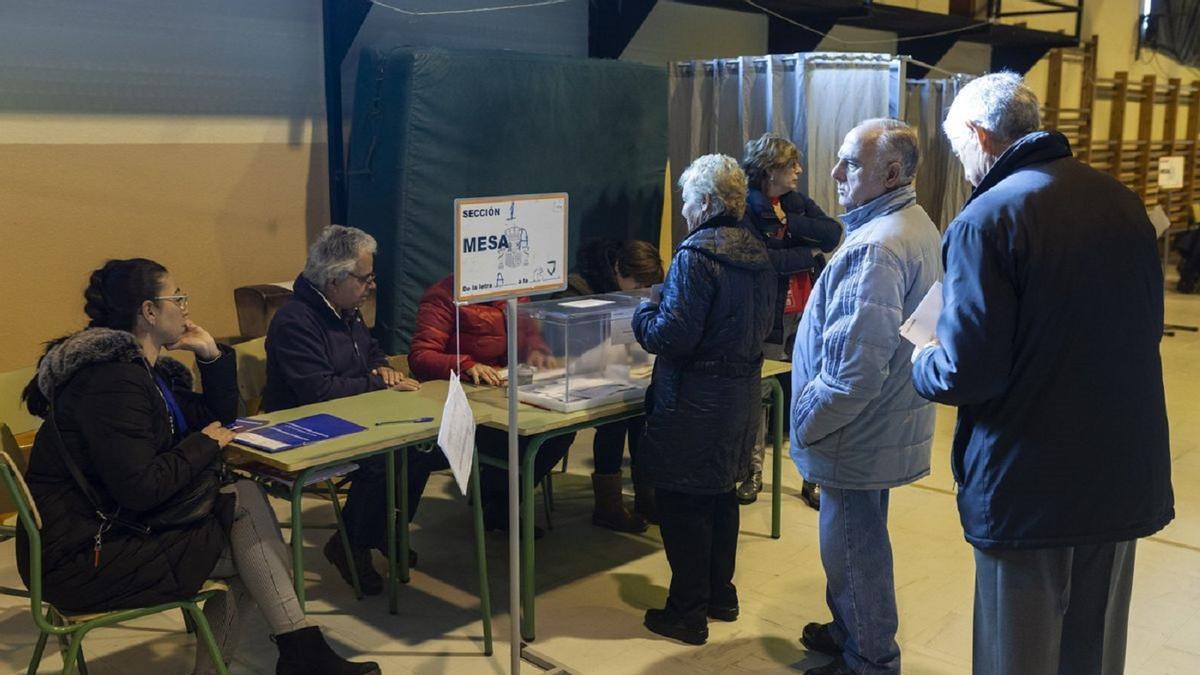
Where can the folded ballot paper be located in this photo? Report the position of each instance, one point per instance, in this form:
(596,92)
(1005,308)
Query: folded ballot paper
(456,437)
(303,431)
(921,327)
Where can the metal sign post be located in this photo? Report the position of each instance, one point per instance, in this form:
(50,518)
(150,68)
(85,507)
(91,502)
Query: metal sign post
(507,248)
(514,502)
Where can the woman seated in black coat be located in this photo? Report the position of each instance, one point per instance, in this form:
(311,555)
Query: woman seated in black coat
(702,409)
(147,450)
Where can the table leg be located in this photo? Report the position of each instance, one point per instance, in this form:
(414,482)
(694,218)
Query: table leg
(402,554)
(485,594)
(390,535)
(344,537)
(298,535)
(778,411)
(527,545)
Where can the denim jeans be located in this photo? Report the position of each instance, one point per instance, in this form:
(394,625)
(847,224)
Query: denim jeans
(860,591)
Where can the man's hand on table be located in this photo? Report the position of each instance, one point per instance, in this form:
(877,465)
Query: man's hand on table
(396,380)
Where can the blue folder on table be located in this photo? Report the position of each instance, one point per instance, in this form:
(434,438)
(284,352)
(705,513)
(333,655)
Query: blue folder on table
(298,432)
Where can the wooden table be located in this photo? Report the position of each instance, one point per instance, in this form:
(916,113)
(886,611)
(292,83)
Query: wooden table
(366,410)
(490,405)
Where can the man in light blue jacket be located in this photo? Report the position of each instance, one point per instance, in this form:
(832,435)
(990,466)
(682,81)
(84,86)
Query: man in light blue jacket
(858,426)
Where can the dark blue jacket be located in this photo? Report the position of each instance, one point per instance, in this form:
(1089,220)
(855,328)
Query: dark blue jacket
(808,229)
(1050,349)
(314,354)
(703,407)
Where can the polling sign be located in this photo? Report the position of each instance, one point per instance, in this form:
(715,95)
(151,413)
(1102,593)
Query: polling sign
(1170,173)
(506,247)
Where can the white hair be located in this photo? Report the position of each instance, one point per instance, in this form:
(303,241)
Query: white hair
(335,253)
(1000,103)
(721,178)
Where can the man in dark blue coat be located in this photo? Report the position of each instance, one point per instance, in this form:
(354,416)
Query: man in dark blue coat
(1049,346)
(319,349)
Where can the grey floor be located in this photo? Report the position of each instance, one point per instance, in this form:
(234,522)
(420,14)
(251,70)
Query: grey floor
(593,585)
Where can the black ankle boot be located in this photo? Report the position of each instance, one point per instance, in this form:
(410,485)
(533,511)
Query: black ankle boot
(305,652)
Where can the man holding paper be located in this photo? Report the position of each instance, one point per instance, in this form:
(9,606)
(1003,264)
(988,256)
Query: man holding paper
(858,428)
(1048,345)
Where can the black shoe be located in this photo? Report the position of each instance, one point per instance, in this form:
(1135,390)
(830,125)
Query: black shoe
(811,494)
(747,492)
(495,518)
(667,624)
(816,636)
(305,652)
(723,613)
(834,667)
(369,580)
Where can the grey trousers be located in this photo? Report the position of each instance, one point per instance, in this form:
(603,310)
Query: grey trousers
(1052,611)
(257,567)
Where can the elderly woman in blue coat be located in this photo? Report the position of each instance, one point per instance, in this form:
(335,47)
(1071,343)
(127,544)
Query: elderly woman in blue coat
(702,408)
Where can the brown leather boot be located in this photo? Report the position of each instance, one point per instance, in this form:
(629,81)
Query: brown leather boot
(610,509)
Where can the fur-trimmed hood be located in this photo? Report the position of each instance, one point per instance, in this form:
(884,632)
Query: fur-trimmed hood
(69,355)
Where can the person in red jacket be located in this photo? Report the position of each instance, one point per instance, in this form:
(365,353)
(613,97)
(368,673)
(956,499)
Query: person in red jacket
(478,354)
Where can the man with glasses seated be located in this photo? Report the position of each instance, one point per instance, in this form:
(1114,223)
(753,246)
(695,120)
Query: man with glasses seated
(318,349)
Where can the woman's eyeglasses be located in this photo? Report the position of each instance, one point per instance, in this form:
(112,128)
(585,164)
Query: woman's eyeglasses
(364,279)
(181,300)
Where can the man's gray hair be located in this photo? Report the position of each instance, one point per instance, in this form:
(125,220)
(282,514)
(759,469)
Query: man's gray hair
(1000,103)
(335,253)
(898,142)
(721,178)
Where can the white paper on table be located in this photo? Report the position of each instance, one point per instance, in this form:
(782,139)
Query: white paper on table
(921,327)
(1159,219)
(456,437)
(586,303)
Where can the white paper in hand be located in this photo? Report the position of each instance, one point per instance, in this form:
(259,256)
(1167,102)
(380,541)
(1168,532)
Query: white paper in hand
(456,437)
(921,327)
(1159,219)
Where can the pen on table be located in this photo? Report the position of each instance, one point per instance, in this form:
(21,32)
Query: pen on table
(414,420)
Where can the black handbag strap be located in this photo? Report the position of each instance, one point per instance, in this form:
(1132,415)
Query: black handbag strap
(61,447)
(84,485)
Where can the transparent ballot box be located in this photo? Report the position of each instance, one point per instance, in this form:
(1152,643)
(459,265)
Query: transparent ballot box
(594,359)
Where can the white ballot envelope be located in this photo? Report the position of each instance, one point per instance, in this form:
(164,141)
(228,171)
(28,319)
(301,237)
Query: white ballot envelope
(456,437)
(1159,219)
(921,327)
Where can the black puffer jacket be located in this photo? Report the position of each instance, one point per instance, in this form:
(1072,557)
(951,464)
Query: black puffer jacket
(117,428)
(703,404)
(808,228)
